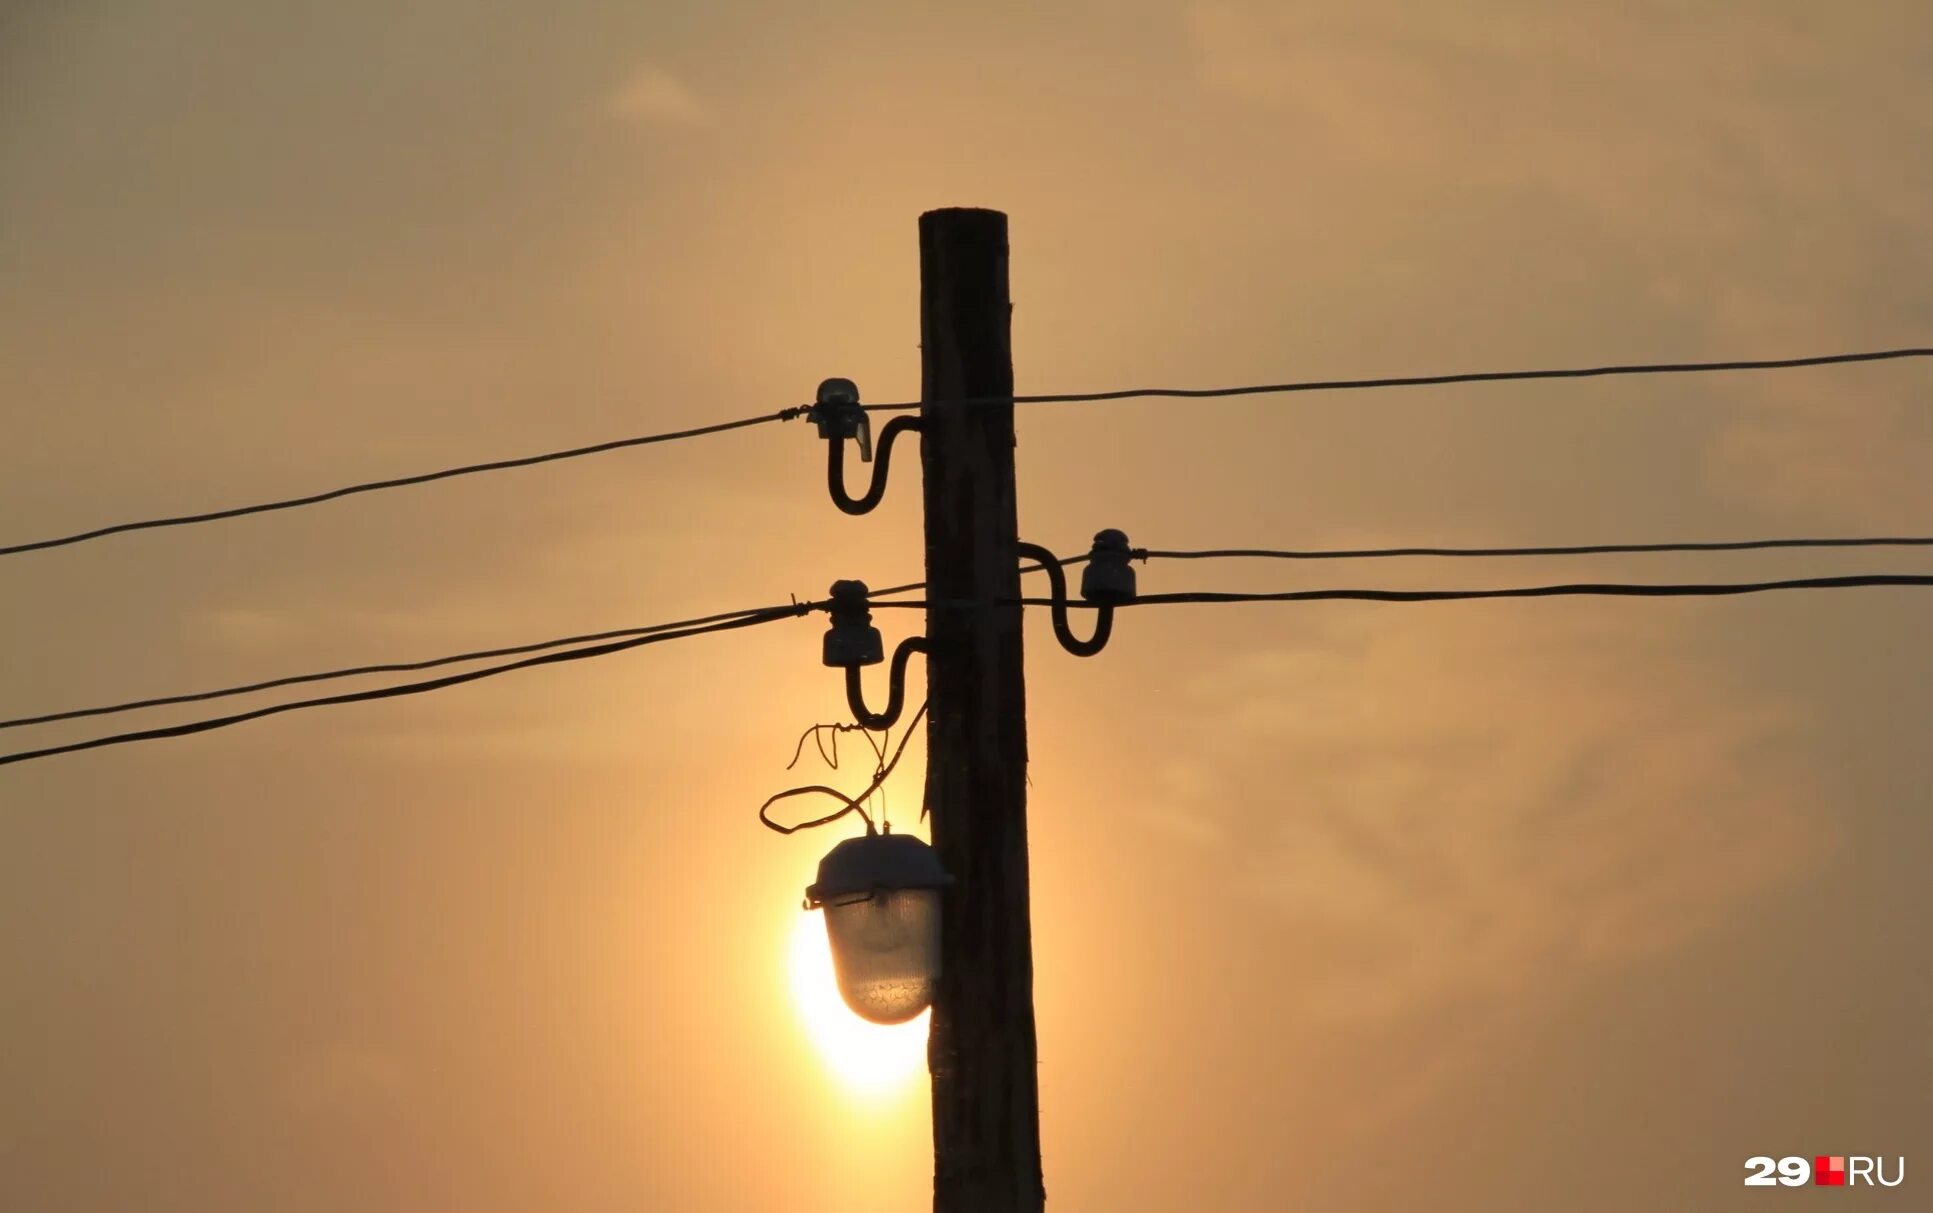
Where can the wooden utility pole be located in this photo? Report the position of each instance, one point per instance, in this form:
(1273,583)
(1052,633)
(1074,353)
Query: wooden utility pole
(986,1104)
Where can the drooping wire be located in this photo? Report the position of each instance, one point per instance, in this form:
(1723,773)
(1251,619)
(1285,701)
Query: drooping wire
(817,733)
(393,667)
(1337,385)
(852,804)
(879,745)
(498,465)
(770,615)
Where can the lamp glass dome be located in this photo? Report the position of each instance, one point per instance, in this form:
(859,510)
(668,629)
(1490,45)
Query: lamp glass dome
(881,897)
(886,952)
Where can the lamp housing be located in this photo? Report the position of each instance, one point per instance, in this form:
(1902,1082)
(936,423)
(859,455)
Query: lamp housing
(881,897)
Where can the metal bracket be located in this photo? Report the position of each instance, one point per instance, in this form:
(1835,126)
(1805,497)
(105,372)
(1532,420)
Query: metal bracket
(839,416)
(1107,582)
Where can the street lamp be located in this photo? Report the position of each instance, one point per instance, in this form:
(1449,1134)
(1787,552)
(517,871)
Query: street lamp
(881,897)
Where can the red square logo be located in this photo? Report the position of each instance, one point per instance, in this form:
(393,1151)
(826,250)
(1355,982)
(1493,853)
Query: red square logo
(1829,1169)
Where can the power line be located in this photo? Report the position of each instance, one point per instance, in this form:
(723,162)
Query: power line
(1143,553)
(773,614)
(1319,385)
(1604,589)
(770,615)
(1726,545)
(1586,549)
(1610,589)
(289,503)
(1025,569)
(1337,385)
(393,667)
(384,668)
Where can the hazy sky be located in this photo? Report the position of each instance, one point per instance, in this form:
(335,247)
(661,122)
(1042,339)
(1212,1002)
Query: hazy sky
(1516,906)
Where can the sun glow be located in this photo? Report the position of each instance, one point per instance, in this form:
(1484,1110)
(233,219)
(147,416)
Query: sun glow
(870,1059)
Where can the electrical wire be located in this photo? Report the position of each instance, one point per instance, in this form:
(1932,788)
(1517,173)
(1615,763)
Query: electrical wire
(1025,569)
(1140,553)
(769,615)
(385,668)
(1585,549)
(394,667)
(773,614)
(1610,589)
(1596,589)
(853,803)
(289,503)
(787,414)
(1336,385)
(817,733)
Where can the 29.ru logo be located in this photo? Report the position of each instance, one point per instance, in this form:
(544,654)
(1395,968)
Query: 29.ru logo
(1825,1170)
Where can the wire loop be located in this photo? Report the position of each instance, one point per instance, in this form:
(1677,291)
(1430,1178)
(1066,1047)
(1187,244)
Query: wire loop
(852,803)
(852,806)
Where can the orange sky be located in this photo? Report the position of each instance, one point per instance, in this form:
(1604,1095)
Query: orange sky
(1502,906)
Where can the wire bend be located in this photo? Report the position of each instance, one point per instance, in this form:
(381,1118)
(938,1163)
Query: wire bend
(896,682)
(1104,612)
(852,804)
(836,467)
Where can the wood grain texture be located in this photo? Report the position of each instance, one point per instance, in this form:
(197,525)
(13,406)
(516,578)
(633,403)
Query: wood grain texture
(986,1119)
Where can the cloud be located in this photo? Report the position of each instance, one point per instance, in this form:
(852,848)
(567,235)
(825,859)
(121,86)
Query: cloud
(654,96)
(1828,451)
(247,627)
(1481,817)
(1441,828)
(1708,147)
(1754,200)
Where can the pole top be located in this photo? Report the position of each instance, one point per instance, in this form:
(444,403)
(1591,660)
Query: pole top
(961,213)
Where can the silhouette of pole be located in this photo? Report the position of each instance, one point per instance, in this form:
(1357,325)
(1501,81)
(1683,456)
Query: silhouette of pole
(986,1105)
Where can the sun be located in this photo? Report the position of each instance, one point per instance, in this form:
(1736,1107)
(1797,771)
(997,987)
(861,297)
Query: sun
(870,1059)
